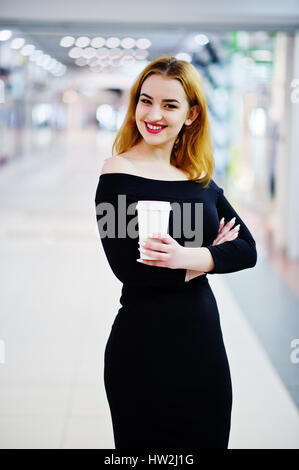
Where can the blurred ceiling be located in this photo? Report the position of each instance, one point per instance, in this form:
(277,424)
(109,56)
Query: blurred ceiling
(231,14)
(169,25)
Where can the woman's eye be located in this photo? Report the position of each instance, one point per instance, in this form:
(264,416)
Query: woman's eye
(172,106)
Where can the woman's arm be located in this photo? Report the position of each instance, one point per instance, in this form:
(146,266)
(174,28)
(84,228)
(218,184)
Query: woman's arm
(227,257)
(233,255)
(122,251)
(226,233)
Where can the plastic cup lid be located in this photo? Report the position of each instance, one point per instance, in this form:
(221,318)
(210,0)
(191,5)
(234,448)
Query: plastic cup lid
(154,205)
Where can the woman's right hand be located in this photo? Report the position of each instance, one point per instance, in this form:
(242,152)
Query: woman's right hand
(225,233)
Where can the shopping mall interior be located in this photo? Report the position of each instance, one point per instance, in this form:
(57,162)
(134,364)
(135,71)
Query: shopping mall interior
(65,80)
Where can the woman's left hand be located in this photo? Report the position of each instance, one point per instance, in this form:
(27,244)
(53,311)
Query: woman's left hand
(168,253)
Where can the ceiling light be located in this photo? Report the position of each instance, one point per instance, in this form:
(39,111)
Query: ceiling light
(5,34)
(94,63)
(115,53)
(83,41)
(28,49)
(75,52)
(89,52)
(81,61)
(112,42)
(127,43)
(97,42)
(141,54)
(127,59)
(44,60)
(36,54)
(102,52)
(184,56)
(17,43)
(59,68)
(50,64)
(201,39)
(129,52)
(67,41)
(143,43)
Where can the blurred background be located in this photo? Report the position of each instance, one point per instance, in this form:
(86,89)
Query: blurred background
(65,77)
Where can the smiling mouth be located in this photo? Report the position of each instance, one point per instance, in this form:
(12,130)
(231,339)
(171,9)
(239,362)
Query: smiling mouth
(154,129)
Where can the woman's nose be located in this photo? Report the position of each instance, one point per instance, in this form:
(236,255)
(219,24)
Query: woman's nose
(154,114)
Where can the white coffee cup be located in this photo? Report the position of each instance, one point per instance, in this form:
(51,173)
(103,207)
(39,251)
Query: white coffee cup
(153,217)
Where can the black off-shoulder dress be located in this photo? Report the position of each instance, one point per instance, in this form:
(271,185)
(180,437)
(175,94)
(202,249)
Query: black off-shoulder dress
(166,371)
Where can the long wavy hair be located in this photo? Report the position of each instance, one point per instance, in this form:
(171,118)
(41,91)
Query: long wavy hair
(192,150)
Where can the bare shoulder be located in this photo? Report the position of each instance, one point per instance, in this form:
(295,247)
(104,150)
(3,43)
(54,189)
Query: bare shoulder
(117,164)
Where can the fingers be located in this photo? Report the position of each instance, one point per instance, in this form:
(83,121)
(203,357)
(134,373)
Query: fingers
(157,250)
(164,237)
(228,226)
(225,229)
(157,255)
(221,224)
(154,246)
(160,264)
(157,246)
(231,235)
(227,237)
(157,242)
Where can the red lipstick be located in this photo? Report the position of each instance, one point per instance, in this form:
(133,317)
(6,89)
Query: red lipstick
(154,131)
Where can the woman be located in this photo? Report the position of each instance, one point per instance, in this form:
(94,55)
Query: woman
(166,371)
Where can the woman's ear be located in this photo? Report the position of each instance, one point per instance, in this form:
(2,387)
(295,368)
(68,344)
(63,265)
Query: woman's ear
(193,113)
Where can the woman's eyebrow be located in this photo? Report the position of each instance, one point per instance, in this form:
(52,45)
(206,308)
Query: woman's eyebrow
(148,96)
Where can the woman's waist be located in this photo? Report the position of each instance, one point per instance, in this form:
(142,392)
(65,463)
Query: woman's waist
(153,294)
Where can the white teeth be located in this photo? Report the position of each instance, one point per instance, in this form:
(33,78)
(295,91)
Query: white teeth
(154,127)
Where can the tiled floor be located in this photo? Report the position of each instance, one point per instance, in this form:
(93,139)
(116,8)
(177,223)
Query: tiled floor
(59,299)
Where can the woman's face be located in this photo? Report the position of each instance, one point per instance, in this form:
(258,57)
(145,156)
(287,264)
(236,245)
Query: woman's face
(162,103)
